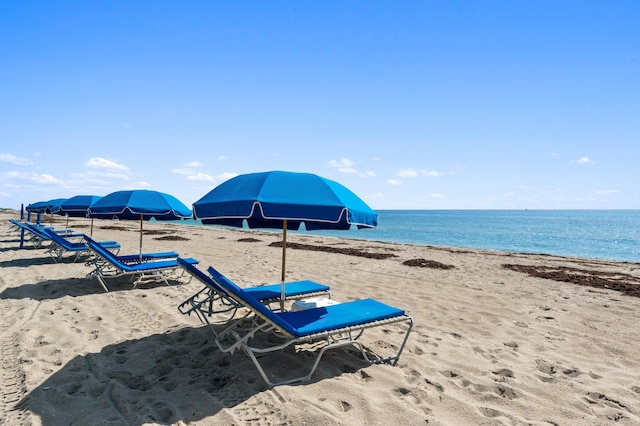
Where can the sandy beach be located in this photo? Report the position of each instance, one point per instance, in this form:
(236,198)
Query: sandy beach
(498,338)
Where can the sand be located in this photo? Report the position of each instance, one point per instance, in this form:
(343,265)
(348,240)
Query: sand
(491,345)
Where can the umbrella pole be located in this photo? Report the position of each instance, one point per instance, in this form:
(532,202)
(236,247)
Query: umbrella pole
(67,224)
(284,261)
(91,229)
(140,237)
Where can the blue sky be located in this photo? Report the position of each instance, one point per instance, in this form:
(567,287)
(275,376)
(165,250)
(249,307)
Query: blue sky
(412,105)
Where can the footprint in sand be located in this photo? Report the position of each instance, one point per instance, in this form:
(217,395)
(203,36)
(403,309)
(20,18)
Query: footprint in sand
(436,385)
(345,406)
(546,367)
(365,376)
(504,374)
(449,373)
(506,392)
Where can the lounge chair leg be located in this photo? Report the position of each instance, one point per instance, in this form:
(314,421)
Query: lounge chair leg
(104,285)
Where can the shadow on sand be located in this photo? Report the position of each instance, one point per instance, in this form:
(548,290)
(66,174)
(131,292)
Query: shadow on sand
(75,287)
(178,376)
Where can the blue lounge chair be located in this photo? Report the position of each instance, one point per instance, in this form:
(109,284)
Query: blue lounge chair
(109,265)
(327,327)
(61,245)
(212,299)
(34,233)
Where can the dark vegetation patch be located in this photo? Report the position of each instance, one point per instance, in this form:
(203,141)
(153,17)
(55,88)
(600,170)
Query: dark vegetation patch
(424,263)
(329,249)
(115,228)
(248,240)
(155,232)
(171,238)
(625,283)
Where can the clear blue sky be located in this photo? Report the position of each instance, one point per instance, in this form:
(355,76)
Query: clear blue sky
(412,105)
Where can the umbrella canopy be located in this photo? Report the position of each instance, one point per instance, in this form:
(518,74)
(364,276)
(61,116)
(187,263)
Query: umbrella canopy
(267,199)
(45,206)
(38,207)
(131,205)
(76,206)
(139,204)
(284,200)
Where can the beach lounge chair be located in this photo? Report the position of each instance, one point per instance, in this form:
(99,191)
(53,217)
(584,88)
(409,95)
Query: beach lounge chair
(325,328)
(61,245)
(35,232)
(212,299)
(149,265)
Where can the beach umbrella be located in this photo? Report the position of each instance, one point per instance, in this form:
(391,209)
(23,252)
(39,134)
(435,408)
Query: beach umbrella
(139,204)
(284,200)
(37,207)
(76,206)
(45,206)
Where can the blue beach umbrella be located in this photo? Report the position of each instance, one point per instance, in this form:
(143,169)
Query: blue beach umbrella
(139,204)
(76,206)
(284,200)
(37,207)
(45,206)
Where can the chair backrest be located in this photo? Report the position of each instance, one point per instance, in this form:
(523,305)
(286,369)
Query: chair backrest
(61,241)
(201,276)
(105,254)
(35,231)
(250,302)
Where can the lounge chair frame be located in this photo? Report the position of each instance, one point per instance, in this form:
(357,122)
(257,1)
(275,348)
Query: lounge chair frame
(149,266)
(212,300)
(239,334)
(62,244)
(34,234)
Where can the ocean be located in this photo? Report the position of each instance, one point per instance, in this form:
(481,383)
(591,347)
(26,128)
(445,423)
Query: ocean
(599,234)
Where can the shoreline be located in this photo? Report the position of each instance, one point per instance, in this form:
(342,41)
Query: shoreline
(352,235)
(490,344)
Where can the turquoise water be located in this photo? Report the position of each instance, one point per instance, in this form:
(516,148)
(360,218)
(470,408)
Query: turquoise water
(601,234)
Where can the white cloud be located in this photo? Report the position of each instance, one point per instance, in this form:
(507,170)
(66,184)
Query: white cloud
(102,163)
(413,173)
(407,173)
(584,160)
(226,176)
(143,184)
(394,182)
(16,175)
(201,177)
(608,191)
(436,196)
(45,179)
(349,170)
(367,174)
(342,163)
(204,177)
(222,157)
(10,158)
(195,164)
